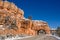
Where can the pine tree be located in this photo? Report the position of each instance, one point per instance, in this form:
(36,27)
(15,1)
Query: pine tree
(58,31)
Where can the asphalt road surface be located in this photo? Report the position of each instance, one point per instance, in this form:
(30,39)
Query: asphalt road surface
(41,37)
(38,37)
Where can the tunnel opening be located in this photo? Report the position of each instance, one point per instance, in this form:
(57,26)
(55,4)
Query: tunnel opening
(41,32)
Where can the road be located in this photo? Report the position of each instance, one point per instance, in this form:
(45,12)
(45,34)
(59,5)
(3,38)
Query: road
(38,37)
(41,37)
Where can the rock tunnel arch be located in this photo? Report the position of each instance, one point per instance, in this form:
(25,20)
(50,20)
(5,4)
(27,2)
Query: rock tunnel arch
(41,31)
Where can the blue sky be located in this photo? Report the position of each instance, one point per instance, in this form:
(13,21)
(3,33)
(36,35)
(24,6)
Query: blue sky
(46,10)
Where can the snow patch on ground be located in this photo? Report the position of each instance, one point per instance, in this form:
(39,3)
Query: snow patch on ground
(15,38)
(56,37)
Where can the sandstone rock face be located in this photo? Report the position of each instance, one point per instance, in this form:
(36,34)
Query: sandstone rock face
(41,25)
(12,21)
